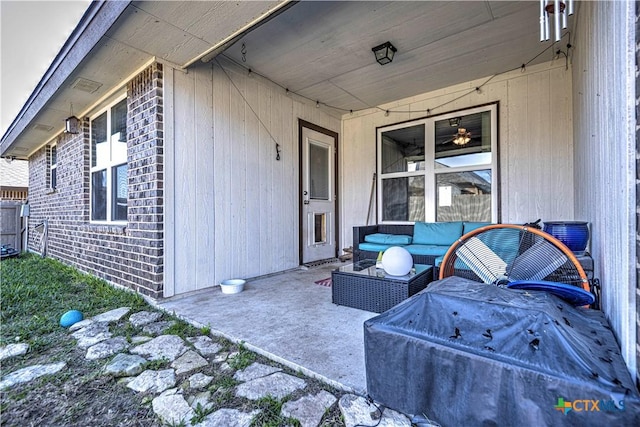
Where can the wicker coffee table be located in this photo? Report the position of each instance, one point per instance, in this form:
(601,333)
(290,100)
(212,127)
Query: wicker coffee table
(360,285)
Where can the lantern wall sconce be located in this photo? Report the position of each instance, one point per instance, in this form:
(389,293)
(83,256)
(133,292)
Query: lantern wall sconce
(72,125)
(384,53)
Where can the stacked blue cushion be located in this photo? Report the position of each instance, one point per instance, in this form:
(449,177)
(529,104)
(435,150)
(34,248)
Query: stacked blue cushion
(382,241)
(388,239)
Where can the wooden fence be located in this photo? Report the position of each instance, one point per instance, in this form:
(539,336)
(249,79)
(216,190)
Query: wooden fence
(11,224)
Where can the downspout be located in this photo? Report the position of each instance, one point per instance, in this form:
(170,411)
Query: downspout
(24,213)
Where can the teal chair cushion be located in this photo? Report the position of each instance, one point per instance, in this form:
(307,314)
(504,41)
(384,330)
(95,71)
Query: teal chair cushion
(436,233)
(437,250)
(470,226)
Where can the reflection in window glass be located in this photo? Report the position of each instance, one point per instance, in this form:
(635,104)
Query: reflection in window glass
(99,146)
(99,195)
(403,199)
(53,167)
(463,141)
(464,196)
(120,193)
(119,121)
(403,149)
(318,172)
(119,131)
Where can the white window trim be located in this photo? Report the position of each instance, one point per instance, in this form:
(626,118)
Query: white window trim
(430,171)
(108,167)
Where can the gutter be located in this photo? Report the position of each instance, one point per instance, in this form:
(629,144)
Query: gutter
(96,21)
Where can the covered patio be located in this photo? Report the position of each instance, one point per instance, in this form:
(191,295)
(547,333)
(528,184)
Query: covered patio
(214,182)
(288,318)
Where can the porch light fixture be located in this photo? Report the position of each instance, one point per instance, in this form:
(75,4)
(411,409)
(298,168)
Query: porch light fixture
(462,137)
(560,10)
(384,53)
(71,124)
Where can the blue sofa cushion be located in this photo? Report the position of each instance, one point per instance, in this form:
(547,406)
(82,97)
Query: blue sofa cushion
(373,247)
(436,233)
(437,250)
(388,239)
(470,226)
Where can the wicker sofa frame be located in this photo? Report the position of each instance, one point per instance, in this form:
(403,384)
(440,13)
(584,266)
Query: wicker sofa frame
(359,232)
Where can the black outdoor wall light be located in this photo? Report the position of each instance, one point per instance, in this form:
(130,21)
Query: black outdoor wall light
(72,124)
(384,53)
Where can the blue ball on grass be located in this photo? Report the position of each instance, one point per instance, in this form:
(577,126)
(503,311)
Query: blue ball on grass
(70,317)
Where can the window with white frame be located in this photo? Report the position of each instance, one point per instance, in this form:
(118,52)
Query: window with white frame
(440,168)
(109,185)
(53,166)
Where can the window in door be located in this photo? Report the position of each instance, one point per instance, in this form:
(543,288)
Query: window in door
(109,184)
(439,168)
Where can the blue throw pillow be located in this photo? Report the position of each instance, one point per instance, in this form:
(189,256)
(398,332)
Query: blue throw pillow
(436,233)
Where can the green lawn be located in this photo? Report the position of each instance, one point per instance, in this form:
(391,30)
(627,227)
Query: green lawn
(36,292)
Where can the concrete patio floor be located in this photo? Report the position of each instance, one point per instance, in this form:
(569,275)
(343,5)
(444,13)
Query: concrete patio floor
(290,319)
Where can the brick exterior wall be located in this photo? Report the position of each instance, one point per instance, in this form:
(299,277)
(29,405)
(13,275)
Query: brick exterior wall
(130,255)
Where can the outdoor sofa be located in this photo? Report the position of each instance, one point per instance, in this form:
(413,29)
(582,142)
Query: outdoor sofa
(427,242)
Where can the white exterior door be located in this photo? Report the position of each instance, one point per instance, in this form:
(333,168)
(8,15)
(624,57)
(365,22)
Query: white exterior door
(318,196)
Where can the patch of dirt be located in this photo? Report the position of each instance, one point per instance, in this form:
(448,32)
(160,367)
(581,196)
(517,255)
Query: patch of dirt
(80,395)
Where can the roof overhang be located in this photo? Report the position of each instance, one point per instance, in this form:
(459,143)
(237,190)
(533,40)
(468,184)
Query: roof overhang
(320,50)
(116,39)
(26,132)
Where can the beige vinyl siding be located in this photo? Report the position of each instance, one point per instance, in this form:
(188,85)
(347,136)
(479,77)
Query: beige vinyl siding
(605,146)
(232,208)
(535,143)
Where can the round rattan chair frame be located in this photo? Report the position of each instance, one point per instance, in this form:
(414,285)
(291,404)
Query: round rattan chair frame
(448,262)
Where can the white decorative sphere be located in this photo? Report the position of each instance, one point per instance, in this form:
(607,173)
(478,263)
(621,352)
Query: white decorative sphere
(397,261)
